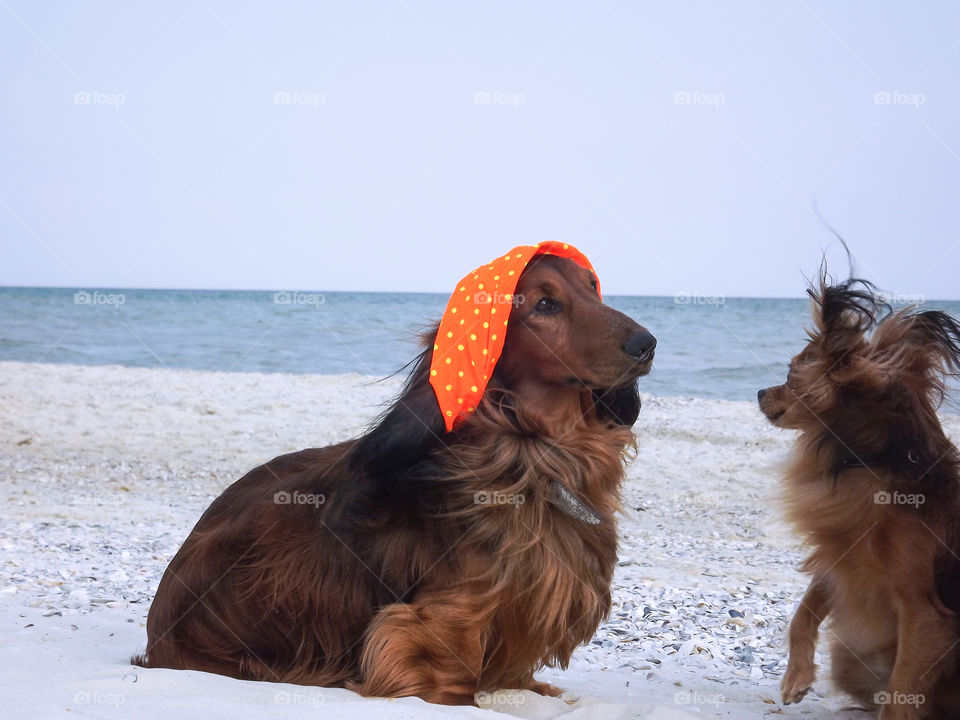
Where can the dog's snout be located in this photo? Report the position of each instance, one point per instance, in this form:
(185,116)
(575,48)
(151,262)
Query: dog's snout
(760,394)
(640,345)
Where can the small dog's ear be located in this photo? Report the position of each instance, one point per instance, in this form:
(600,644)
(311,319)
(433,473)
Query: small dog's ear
(939,334)
(620,405)
(844,312)
(406,430)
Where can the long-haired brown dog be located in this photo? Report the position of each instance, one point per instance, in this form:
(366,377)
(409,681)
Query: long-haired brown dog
(874,486)
(412,561)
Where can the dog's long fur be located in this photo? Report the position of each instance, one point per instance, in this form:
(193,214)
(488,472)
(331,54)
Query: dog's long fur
(396,575)
(874,487)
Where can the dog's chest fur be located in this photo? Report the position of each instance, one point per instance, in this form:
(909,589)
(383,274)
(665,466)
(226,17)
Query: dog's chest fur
(856,538)
(548,573)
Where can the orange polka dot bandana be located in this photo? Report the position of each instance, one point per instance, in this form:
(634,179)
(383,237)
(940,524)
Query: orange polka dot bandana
(474,326)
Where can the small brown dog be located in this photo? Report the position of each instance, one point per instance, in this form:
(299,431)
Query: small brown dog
(420,561)
(874,487)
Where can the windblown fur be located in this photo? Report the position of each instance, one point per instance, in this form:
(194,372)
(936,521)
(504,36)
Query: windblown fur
(874,488)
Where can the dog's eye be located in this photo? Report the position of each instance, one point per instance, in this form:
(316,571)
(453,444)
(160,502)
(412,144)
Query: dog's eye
(593,284)
(546,306)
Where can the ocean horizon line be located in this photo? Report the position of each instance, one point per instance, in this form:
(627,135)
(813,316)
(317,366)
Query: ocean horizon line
(684,293)
(709,346)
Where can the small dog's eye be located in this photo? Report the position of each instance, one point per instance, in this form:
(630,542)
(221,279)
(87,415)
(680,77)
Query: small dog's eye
(547,306)
(593,284)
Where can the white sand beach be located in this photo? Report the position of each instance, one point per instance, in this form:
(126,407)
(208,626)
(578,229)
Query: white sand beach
(104,470)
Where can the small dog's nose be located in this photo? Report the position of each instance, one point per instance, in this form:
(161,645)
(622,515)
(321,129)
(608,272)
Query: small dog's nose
(640,344)
(760,394)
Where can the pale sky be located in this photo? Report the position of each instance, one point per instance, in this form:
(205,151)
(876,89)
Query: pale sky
(396,145)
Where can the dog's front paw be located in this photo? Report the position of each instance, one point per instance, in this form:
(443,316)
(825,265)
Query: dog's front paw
(542,688)
(797,682)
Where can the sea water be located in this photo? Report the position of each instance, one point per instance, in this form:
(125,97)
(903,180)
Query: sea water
(711,347)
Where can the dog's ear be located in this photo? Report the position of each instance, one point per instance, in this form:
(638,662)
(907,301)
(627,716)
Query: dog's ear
(619,405)
(406,430)
(939,334)
(924,346)
(843,313)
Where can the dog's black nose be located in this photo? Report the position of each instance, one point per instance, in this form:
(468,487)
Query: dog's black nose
(640,344)
(760,394)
